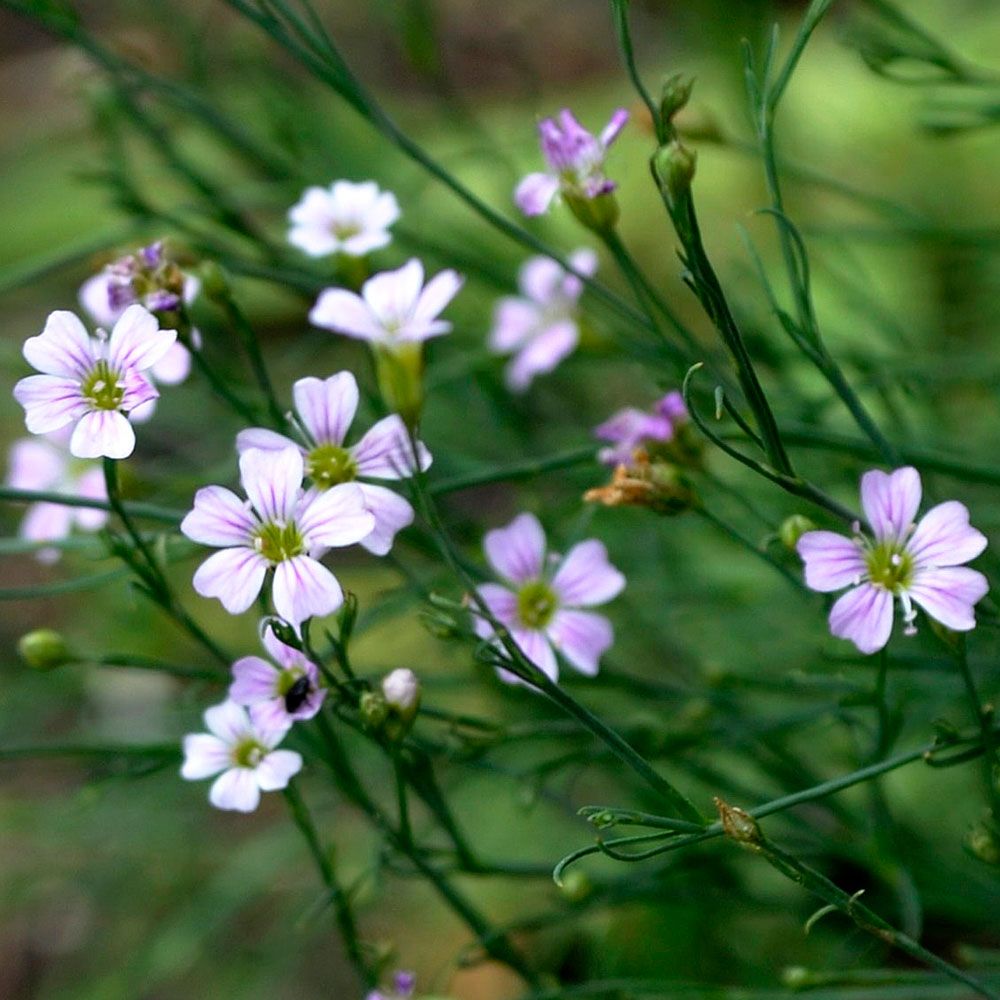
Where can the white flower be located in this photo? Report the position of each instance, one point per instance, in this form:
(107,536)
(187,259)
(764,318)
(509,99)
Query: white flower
(347,218)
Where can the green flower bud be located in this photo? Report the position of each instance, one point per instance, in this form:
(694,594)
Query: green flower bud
(674,168)
(44,649)
(675,95)
(793,528)
(374,709)
(576,885)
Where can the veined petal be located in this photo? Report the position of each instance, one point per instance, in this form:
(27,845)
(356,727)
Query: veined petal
(49,402)
(391,512)
(204,755)
(944,537)
(261,437)
(273,481)
(517,551)
(346,313)
(62,348)
(891,501)
(234,576)
(228,721)
(303,588)
(277,769)
(235,789)
(254,680)
(137,340)
(948,594)
(327,407)
(535,192)
(585,576)
(832,561)
(582,637)
(863,615)
(385,452)
(335,517)
(219,518)
(103,433)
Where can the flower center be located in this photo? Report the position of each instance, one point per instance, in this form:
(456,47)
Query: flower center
(536,604)
(101,387)
(287,679)
(329,464)
(345,230)
(889,566)
(248,752)
(277,541)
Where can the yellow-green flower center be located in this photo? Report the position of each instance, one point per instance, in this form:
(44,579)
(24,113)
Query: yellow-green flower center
(287,679)
(102,389)
(536,604)
(277,542)
(329,464)
(248,752)
(889,566)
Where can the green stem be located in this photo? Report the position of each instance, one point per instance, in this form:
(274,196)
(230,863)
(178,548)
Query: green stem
(527,469)
(148,511)
(991,760)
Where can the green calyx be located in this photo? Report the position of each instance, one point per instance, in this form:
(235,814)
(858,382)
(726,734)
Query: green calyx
(890,566)
(248,753)
(329,464)
(277,542)
(536,604)
(102,389)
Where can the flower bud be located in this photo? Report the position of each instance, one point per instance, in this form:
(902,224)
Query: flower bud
(576,885)
(44,649)
(982,843)
(399,371)
(674,168)
(401,691)
(793,528)
(675,95)
(374,709)
(738,824)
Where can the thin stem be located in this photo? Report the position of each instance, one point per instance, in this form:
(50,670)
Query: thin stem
(991,760)
(148,511)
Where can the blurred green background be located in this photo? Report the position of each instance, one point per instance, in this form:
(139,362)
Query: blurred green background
(119,880)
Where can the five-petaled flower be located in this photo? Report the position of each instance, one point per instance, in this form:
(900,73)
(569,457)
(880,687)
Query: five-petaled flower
(575,159)
(283,694)
(239,747)
(92,382)
(347,218)
(281,528)
(632,428)
(913,563)
(44,464)
(394,307)
(541,326)
(541,601)
(325,410)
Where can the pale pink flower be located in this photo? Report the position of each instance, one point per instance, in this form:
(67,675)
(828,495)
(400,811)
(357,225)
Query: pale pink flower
(542,598)
(575,159)
(287,693)
(541,326)
(632,428)
(43,463)
(348,218)
(913,563)
(325,410)
(394,307)
(239,747)
(278,528)
(92,382)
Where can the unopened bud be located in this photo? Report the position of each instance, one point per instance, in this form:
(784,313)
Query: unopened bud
(982,843)
(793,528)
(674,167)
(576,885)
(401,689)
(675,95)
(373,708)
(44,649)
(738,824)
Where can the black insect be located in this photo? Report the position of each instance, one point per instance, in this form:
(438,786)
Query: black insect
(296,695)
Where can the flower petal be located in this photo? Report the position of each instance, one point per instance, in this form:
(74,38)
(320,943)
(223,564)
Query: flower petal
(46,522)
(585,576)
(316,241)
(944,537)
(542,353)
(219,518)
(540,279)
(832,561)
(535,192)
(261,437)
(235,789)
(273,481)
(35,465)
(254,680)
(392,513)
(949,594)
(269,727)
(91,484)
(517,551)
(437,293)
(228,721)
(137,340)
(95,298)
(610,131)
(863,615)
(392,295)
(303,588)
(536,648)
(335,517)
(49,402)
(174,367)
(514,320)
(502,604)
(891,501)
(204,755)
(234,576)
(62,348)
(582,637)
(103,433)
(385,452)
(327,407)
(345,313)
(277,769)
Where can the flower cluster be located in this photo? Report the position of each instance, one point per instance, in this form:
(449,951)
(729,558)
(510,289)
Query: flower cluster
(631,429)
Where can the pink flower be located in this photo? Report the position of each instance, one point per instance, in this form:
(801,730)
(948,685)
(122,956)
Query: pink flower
(283,694)
(575,159)
(541,601)
(41,464)
(278,528)
(912,563)
(540,328)
(92,382)
(347,218)
(240,748)
(631,428)
(394,307)
(325,411)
